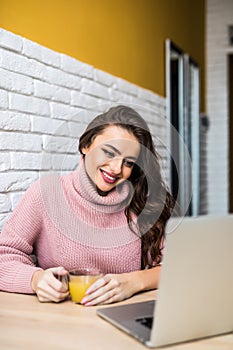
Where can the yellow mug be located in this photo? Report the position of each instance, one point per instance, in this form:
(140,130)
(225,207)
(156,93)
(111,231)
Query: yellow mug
(80,280)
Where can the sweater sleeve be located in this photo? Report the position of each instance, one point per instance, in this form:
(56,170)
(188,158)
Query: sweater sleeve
(16,243)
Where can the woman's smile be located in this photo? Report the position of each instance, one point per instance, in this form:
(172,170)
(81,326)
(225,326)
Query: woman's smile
(109,178)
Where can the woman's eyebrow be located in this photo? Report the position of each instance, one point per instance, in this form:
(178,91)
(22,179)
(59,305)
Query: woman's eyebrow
(117,151)
(113,148)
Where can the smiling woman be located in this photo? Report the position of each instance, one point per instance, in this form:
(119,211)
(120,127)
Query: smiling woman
(110,214)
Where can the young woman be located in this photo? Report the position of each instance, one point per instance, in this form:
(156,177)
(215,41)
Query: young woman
(109,213)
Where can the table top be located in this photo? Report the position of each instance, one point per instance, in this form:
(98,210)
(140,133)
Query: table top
(25,323)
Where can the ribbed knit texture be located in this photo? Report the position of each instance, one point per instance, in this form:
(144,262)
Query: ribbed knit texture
(65,222)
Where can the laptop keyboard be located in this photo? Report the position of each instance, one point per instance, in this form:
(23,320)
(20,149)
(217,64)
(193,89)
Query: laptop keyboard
(145,321)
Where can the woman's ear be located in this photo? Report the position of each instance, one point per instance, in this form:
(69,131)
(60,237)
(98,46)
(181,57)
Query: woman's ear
(84,150)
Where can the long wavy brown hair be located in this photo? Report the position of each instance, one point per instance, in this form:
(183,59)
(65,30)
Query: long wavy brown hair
(151,200)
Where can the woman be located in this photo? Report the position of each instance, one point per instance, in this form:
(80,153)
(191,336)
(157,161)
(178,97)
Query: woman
(109,213)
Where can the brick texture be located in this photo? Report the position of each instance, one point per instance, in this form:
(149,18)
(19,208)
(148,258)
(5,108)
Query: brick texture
(219,17)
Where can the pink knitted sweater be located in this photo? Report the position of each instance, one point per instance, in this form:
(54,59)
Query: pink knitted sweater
(65,222)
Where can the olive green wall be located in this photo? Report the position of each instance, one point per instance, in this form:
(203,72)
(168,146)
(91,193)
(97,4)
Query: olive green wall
(123,37)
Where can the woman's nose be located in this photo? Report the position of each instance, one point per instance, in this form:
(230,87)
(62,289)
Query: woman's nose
(116,165)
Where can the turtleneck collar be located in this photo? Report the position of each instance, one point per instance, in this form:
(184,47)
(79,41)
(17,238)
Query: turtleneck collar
(114,201)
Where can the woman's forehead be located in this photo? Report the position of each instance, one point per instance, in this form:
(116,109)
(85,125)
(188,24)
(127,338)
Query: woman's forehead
(116,132)
(117,137)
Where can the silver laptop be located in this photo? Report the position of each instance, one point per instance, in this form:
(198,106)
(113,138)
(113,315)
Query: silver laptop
(195,296)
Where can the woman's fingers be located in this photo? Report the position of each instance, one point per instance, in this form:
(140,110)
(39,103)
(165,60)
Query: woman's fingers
(98,284)
(48,287)
(107,290)
(46,293)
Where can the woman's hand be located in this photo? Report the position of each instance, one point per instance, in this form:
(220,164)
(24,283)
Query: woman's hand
(48,287)
(117,287)
(112,288)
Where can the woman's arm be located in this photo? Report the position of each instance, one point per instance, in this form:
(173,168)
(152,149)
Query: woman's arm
(16,243)
(117,287)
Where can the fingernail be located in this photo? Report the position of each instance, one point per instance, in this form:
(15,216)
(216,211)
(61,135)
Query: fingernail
(88,304)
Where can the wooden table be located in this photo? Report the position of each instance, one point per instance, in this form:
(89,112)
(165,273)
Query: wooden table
(25,323)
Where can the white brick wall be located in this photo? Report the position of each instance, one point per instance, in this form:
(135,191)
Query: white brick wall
(219,17)
(46,101)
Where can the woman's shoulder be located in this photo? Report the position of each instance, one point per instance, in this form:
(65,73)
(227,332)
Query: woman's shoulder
(43,186)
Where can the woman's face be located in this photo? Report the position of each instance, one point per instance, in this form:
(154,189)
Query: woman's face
(110,158)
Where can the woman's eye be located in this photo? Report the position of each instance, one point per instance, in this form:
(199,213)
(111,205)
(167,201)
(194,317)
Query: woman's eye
(128,163)
(109,154)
